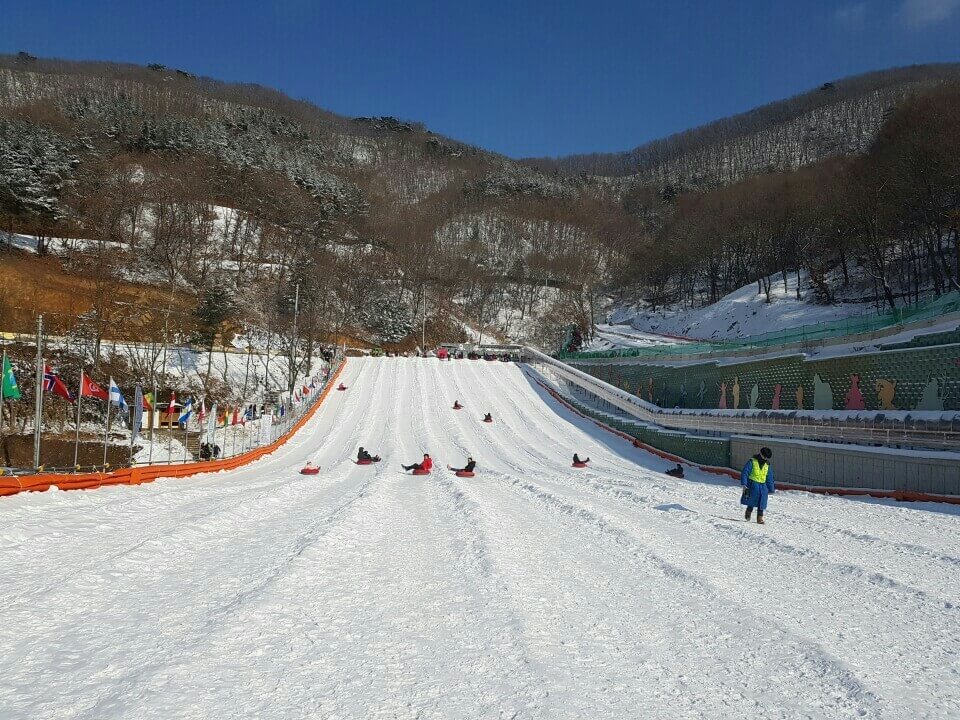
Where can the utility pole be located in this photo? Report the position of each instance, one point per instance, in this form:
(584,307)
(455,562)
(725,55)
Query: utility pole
(38,409)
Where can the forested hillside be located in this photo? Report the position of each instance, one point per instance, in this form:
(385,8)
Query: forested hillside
(212,203)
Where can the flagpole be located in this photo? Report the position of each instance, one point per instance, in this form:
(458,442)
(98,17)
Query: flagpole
(38,407)
(186,431)
(153,416)
(106,430)
(76,442)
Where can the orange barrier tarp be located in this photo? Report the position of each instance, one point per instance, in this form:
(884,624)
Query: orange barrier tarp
(13,484)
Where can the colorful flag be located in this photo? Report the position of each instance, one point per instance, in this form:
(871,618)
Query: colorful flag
(137,414)
(173,403)
(53,383)
(88,388)
(212,420)
(116,397)
(187,411)
(9,390)
(202,412)
(236,416)
(148,401)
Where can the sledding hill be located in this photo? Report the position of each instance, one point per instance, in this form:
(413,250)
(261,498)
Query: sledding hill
(362,592)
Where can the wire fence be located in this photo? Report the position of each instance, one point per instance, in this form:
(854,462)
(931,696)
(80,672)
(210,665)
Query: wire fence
(819,332)
(224,440)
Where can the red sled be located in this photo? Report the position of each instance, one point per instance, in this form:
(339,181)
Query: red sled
(458,407)
(579,465)
(365,462)
(421,472)
(464,473)
(310,471)
(341,387)
(488,421)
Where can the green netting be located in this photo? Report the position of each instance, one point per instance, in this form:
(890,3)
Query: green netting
(943,305)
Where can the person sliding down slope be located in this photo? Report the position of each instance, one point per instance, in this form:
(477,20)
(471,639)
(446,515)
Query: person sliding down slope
(488,418)
(364,455)
(457,405)
(426,464)
(757,482)
(578,461)
(471,464)
(676,472)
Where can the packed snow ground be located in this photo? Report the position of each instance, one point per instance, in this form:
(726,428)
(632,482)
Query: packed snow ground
(531,591)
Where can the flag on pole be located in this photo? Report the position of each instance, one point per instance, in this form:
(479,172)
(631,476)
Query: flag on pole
(148,401)
(116,397)
(202,412)
(236,416)
(9,390)
(173,403)
(88,388)
(137,414)
(212,420)
(53,383)
(187,411)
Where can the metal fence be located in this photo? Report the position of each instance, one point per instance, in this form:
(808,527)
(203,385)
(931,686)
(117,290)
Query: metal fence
(912,433)
(233,440)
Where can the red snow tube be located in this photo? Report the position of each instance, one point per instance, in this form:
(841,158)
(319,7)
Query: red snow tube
(421,472)
(341,386)
(579,465)
(364,462)
(458,407)
(490,420)
(464,473)
(310,471)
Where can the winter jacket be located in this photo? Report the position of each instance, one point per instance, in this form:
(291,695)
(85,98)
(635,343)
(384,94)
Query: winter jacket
(469,466)
(427,464)
(757,481)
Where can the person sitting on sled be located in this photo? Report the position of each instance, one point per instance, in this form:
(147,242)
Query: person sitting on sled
(488,418)
(426,464)
(457,405)
(364,455)
(578,461)
(471,464)
(676,472)
(757,482)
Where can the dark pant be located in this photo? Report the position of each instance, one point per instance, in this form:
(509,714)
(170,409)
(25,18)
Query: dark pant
(750,510)
(415,466)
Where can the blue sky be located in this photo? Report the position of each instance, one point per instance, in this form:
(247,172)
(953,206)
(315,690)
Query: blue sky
(521,78)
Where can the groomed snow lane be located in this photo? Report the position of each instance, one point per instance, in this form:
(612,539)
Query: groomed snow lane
(531,591)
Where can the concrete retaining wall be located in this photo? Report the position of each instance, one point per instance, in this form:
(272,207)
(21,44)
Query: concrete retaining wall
(847,466)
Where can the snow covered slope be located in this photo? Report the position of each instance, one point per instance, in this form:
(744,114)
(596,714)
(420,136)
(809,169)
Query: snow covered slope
(531,591)
(742,313)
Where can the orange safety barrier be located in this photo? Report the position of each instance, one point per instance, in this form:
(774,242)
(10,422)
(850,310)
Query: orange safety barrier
(13,484)
(899,495)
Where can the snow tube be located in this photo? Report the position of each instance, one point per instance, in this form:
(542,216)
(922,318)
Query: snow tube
(488,421)
(310,471)
(464,473)
(421,472)
(458,407)
(365,462)
(579,465)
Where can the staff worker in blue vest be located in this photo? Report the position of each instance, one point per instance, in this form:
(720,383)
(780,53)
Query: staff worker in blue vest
(757,482)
